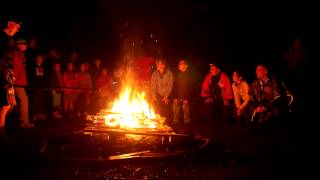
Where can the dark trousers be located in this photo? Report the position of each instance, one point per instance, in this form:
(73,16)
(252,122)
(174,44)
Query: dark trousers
(243,120)
(215,113)
(38,102)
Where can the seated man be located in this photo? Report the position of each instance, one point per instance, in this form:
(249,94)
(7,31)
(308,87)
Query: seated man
(217,94)
(268,97)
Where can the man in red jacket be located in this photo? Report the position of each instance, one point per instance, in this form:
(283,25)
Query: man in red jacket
(217,94)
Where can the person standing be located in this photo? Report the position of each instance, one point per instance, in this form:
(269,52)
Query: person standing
(161,87)
(182,93)
(7,94)
(19,69)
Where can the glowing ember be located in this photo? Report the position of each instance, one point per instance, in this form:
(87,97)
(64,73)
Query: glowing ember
(131,110)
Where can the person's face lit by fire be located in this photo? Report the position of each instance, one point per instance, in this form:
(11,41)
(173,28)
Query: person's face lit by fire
(236,77)
(182,66)
(74,56)
(214,70)
(161,66)
(57,67)
(104,72)
(22,47)
(70,67)
(39,60)
(261,72)
(97,63)
(83,67)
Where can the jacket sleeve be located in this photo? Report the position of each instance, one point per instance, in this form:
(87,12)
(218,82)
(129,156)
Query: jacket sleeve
(246,95)
(205,91)
(236,96)
(169,86)
(227,90)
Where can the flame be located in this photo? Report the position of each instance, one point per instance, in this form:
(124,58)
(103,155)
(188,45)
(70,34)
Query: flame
(131,110)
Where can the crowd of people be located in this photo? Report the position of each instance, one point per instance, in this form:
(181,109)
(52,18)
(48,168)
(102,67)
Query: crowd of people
(41,84)
(238,103)
(38,86)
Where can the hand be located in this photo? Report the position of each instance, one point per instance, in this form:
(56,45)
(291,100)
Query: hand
(260,109)
(208,101)
(238,112)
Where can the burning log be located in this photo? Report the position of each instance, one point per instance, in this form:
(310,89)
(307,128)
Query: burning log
(130,112)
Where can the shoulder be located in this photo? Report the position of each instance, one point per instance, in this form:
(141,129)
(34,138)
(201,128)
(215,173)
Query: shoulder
(245,83)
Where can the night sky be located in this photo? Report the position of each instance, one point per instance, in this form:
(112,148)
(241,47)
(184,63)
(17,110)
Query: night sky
(234,33)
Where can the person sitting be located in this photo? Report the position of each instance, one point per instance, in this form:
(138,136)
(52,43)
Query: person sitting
(217,94)
(240,89)
(269,97)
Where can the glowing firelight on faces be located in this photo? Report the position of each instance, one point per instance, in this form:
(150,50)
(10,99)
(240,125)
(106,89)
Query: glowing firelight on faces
(131,110)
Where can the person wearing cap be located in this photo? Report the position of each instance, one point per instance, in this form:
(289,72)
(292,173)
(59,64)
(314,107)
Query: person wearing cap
(19,69)
(7,94)
(6,36)
(217,94)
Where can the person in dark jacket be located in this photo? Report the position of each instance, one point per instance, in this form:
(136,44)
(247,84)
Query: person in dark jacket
(57,84)
(39,79)
(182,93)
(269,97)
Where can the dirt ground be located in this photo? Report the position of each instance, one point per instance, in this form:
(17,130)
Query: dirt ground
(231,154)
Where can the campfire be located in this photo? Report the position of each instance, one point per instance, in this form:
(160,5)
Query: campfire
(131,128)
(130,111)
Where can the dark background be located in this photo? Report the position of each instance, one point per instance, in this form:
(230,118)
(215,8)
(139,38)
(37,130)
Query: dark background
(231,32)
(238,35)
